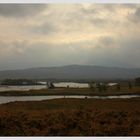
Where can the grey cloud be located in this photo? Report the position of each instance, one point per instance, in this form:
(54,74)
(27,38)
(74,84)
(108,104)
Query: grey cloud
(81,14)
(137,14)
(112,52)
(131,6)
(12,48)
(98,21)
(20,10)
(91,15)
(47,54)
(46,28)
(114,7)
(106,41)
(90,10)
(135,17)
(129,52)
(33,55)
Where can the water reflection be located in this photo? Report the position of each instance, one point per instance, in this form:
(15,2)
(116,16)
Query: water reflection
(60,84)
(6,99)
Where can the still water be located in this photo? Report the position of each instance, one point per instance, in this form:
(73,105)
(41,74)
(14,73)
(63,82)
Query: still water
(71,85)
(21,88)
(60,84)
(6,99)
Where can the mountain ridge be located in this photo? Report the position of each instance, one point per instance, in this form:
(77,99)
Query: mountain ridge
(72,72)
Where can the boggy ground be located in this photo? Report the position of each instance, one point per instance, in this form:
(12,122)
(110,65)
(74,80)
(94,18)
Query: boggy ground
(71,117)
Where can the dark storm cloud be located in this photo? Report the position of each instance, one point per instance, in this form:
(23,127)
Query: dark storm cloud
(19,10)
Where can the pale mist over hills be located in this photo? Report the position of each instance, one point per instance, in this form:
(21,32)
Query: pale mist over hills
(73,72)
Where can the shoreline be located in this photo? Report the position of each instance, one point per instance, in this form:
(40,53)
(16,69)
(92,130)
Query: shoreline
(63,93)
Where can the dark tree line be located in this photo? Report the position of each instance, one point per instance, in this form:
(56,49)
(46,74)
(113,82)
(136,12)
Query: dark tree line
(19,82)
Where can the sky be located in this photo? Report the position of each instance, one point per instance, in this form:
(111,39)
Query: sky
(44,35)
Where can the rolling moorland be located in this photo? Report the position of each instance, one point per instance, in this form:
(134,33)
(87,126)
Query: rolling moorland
(72,117)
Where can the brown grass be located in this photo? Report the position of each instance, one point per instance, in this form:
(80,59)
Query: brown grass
(71,117)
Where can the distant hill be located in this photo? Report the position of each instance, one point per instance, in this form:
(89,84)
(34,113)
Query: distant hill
(73,72)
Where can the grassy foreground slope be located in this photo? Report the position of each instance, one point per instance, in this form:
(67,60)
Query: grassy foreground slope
(71,117)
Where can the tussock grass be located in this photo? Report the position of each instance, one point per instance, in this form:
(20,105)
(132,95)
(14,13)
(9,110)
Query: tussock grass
(71,117)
